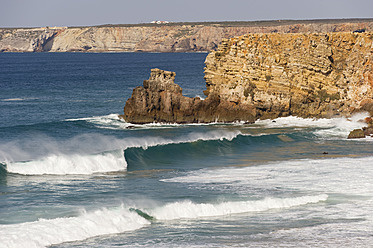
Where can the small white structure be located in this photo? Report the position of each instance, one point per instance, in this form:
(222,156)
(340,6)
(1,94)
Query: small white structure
(160,22)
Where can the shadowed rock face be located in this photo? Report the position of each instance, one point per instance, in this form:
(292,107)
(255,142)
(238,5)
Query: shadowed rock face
(161,100)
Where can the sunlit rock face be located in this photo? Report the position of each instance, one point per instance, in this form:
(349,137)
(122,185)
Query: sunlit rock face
(307,75)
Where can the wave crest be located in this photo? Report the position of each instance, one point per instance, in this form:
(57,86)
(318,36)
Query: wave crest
(45,232)
(190,210)
(70,164)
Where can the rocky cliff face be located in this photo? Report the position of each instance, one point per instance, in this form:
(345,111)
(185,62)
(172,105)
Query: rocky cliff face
(267,76)
(158,38)
(26,40)
(308,75)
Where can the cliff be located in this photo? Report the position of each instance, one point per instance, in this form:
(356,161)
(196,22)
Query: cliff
(307,75)
(173,37)
(267,76)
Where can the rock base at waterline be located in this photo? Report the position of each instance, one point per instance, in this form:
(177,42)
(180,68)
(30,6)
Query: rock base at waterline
(160,99)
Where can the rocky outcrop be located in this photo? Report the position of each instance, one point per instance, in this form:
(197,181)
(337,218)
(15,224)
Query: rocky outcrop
(363,132)
(174,37)
(161,100)
(267,76)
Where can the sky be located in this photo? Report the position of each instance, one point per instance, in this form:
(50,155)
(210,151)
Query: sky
(41,13)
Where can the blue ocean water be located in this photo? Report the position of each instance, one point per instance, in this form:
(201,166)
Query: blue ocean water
(72,174)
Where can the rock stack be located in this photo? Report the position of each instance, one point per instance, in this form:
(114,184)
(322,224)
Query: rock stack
(161,100)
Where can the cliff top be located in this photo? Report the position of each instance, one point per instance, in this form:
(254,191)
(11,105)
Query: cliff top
(264,23)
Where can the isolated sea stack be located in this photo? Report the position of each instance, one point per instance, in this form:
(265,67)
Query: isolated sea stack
(267,76)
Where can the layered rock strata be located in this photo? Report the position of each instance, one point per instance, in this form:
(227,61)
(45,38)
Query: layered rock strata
(307,75)
(267,76)
(187,37)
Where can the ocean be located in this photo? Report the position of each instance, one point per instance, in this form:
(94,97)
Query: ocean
(73,174)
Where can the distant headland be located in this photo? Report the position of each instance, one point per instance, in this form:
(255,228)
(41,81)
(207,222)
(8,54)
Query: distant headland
(160,36)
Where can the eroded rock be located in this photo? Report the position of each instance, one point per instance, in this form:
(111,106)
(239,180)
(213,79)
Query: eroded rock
(356,134)
(306,75)
(161,100)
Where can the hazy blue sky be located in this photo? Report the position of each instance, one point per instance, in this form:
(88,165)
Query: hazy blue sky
(33,13)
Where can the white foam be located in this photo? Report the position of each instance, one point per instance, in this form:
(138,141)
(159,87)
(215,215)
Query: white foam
(293,121)
(337,175)
(341,127)
(113,121)
(45,232)
(327,128)
(191,137)
(70,164)
(190,210)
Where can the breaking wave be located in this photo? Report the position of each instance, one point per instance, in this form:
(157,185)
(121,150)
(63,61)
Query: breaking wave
(70,164)
(190,210)
(92,153)
(83,155)
(45,232)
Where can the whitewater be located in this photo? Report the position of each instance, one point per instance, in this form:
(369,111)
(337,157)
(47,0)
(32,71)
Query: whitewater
(74,174)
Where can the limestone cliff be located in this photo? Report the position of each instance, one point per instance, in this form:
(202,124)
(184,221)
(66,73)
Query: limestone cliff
(174,37)
(308,75)
(267,76)
(26,40)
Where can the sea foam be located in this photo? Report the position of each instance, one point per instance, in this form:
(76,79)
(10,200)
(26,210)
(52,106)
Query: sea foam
(327,128)
(346,175)
(190,210)
(70,164)
(45,232)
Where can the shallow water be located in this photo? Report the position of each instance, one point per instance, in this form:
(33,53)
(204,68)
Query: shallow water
(73,175)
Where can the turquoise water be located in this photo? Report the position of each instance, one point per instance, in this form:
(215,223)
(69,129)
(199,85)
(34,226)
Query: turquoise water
(73,175)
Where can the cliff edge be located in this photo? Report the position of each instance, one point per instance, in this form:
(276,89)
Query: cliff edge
(267,76)
(172,37)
